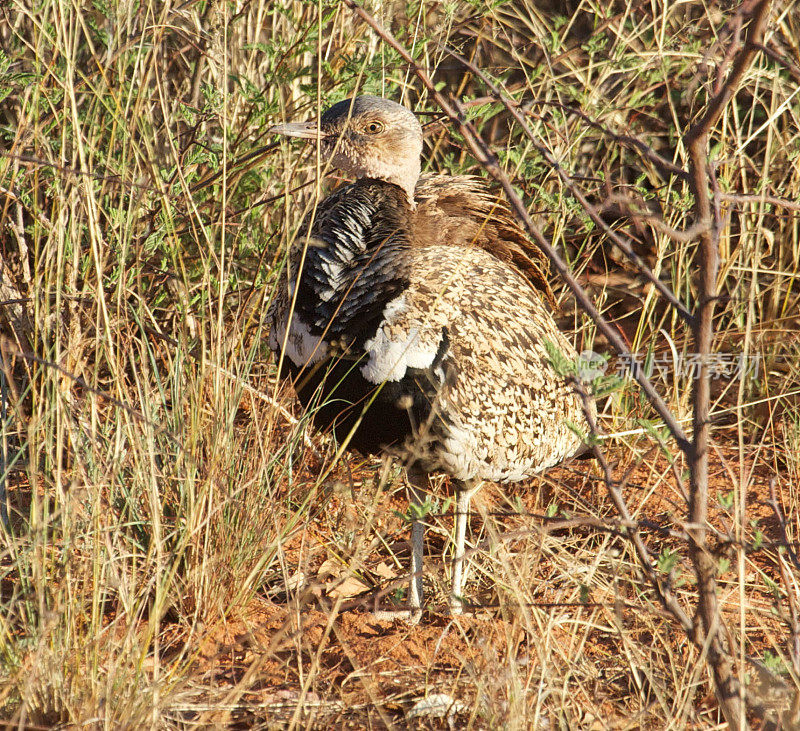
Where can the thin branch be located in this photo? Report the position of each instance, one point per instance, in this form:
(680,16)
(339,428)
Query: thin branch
(662,589)
(647,152)
(780,59)
(754,40)
(729,691)
(770,199)
(66,171)
(489,161)
(623,243)
(629,208)
(792,621)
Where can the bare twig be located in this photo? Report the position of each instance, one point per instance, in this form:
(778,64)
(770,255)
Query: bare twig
(662,589)
(486,157)
(780,59)
(770,199)
(647,152)
(623,243)
(793,621)
(7,346)
(629,207)
(731,28)
(66,170)
(710,625)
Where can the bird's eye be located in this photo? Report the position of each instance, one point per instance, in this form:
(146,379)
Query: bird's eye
(373,127)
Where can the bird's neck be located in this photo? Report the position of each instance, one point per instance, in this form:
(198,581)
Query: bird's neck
(404,175)
(364,215)
(406,179)
(360,225)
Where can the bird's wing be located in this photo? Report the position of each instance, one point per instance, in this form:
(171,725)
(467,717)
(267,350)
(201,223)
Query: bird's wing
(405,342)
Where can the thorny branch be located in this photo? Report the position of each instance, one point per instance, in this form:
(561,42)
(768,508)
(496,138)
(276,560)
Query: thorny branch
(710,626)
(630,205)
(665,166)
(708,629)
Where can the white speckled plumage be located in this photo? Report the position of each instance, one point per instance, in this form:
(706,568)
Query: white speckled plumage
(502,391)
(301,346)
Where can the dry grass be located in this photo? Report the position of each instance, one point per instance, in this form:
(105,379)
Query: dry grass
(182,548)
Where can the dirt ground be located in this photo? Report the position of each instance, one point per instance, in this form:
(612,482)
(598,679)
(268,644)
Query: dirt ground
(319,656)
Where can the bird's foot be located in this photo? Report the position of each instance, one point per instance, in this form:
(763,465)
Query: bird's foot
(457,607)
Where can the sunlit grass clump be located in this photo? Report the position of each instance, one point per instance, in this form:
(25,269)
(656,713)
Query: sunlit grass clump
(181,548)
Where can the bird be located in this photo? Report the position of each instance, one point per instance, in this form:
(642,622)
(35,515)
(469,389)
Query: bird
(415,319)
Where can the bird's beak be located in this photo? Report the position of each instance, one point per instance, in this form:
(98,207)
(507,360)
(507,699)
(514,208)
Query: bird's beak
(304,130)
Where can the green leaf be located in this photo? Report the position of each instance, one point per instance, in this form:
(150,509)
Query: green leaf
(667,560)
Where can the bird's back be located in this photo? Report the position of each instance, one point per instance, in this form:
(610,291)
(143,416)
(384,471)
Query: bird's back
(460,210)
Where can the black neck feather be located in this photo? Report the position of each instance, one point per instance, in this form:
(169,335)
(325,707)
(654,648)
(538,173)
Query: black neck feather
(354,264)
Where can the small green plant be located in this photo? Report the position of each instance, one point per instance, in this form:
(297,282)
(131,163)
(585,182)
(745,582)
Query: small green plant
(774,663)
(668,560)
(725,500)
(430,506)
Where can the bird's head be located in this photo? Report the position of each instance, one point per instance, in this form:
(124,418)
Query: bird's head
(367,137)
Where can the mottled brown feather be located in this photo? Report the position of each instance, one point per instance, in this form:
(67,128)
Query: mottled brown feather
(462,211)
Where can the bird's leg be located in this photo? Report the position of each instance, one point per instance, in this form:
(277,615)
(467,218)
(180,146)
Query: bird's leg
(464,491)
(416,479)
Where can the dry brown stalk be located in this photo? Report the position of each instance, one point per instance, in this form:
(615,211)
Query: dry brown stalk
(707,630)
(710,625)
